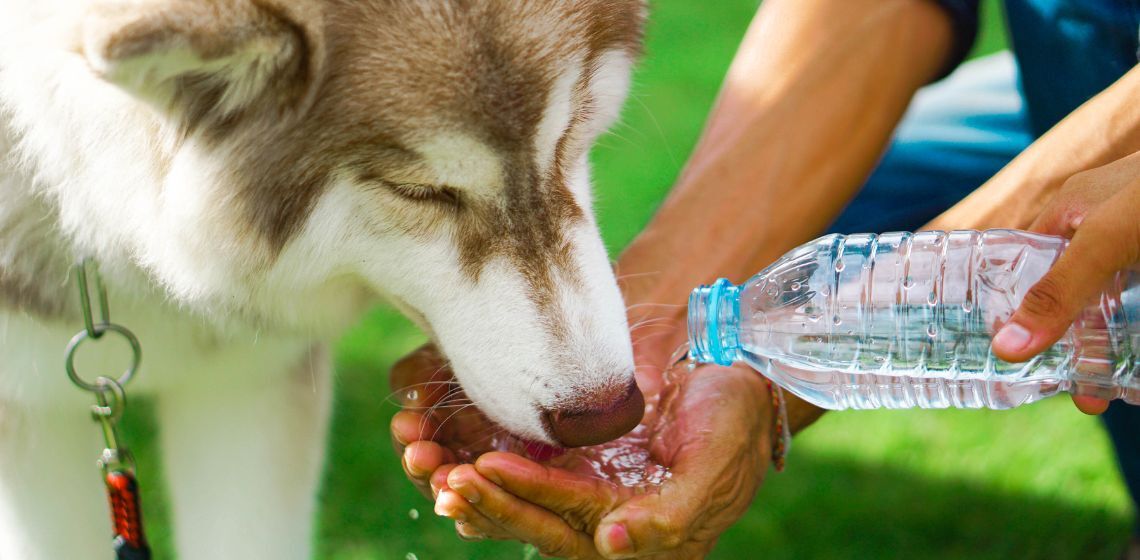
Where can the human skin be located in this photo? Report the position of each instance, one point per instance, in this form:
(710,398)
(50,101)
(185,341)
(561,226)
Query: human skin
(1098,209)
(820,86)
(1077,181)
(823,114)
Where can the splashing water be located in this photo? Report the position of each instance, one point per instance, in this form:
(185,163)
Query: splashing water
(411,556)
(629,461)
(414,514)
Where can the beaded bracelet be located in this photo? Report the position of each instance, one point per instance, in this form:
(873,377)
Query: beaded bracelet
(783,430)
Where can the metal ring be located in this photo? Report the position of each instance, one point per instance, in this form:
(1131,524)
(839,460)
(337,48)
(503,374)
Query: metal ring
(115,395)
(83,335)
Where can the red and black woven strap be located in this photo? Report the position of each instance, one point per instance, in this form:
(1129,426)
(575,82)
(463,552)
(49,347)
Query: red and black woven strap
(123,492)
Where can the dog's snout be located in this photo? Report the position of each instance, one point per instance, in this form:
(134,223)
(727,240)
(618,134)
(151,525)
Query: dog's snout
(597,420)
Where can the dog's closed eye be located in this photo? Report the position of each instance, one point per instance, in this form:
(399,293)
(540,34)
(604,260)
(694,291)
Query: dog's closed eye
(420,192)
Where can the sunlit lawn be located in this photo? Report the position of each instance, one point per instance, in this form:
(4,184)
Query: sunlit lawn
(1039,482)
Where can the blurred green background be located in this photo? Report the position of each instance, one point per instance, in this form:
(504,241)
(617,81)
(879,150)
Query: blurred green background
(1038,482)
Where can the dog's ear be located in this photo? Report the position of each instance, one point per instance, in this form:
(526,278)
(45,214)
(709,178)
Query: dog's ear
(205,62)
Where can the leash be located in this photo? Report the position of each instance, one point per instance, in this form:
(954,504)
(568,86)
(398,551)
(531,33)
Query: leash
(115,461)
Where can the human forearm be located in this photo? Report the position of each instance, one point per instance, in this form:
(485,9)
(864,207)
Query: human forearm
(1103,130)
(806,109)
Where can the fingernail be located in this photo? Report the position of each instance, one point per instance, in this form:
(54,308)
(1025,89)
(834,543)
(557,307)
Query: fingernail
(468,533)
(1012,337)
(492,475)
(617,542)
(464,488)
(445,509)
(409,463)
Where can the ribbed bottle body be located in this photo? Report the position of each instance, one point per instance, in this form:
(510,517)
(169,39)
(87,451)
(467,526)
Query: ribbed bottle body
(903,320)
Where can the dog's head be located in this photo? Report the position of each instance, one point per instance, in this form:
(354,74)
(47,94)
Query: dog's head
(430,151)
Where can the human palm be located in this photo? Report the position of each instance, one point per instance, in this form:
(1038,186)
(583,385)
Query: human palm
(710,430)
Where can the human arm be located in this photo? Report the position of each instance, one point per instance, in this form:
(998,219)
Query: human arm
(1083,167)
(1098,209)
(805,112)
(1103,130)
(804,115)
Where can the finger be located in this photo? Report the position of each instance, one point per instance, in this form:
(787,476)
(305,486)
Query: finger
(423,374)
(712,479)
(408,427)
(420,460)
(524,521)
(1090,405)
(470,525)
(438,479)
(580,500)
(1084,192)
(1107,241)
(1065,213)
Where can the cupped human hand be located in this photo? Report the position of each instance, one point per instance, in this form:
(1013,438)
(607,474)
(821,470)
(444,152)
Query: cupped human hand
(1098,210)
(438,422)
(712,431)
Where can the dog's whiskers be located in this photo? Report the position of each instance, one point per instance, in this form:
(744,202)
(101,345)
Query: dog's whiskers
(445,420)
(394,396)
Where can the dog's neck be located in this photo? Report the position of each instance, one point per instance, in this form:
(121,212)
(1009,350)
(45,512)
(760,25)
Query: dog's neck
(33,255)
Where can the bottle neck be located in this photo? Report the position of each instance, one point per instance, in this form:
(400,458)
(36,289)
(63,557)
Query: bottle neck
(714,323)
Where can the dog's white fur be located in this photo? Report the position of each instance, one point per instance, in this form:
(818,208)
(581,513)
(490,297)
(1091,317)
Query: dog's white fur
(91,165)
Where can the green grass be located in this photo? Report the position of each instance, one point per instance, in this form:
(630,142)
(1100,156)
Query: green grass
(1038,482)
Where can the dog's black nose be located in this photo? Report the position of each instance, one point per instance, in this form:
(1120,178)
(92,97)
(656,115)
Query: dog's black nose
(595,420)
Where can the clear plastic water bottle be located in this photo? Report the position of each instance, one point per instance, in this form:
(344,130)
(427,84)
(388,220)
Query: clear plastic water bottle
(903,320)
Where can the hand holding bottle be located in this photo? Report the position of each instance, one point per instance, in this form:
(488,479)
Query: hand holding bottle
(1100,210)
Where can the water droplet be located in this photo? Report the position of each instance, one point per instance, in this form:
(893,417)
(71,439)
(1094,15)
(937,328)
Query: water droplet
(880,359)
(795,286)
(837,320)
(932,299)
(967,306)
(414,514)
(850,332)
(826,290)
(814,317)
(412,395)
(411,556)
(931,331)
(772,291)
(908,283)
(803,325)
(839,265)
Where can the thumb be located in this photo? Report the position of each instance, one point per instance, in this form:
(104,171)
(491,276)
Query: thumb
(645,525)
(1106,243)
(714,472)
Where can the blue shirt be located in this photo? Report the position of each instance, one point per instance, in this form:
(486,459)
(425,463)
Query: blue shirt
(1067,50)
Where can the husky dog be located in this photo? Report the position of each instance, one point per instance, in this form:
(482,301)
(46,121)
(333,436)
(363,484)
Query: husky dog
(250,176)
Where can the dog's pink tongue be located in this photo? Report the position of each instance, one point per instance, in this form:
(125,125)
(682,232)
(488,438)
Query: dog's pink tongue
(539,451)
